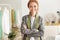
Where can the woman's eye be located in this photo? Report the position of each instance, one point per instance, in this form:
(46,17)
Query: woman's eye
(30,6)
(34,6)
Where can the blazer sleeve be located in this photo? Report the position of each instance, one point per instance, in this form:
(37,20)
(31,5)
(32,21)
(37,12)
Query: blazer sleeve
(40,29)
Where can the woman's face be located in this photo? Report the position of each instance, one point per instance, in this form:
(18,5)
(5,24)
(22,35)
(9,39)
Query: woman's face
(33,8)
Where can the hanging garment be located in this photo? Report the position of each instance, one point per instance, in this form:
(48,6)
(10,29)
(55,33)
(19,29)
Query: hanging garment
(6,21)
(1,25)
(13,16)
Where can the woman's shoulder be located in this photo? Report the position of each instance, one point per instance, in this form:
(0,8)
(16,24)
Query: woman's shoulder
(39,17)
(25,16)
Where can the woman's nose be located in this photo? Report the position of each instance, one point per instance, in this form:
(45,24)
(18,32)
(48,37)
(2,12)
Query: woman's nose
(32,8)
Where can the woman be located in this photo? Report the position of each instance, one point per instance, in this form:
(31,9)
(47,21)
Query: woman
(32,26)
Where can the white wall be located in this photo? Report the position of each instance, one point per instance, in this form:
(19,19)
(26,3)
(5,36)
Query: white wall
(16,4)
(46,6)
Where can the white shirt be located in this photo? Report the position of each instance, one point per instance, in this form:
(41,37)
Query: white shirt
(32,20)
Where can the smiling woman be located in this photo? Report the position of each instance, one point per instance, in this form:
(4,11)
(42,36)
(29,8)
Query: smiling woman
(32,26)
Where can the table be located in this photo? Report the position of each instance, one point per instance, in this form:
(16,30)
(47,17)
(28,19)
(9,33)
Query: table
(57,37)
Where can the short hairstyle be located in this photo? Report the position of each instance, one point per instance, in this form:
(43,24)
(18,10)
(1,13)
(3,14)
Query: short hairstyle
(32,1)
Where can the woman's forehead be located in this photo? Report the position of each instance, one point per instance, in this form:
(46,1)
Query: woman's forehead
(33,3)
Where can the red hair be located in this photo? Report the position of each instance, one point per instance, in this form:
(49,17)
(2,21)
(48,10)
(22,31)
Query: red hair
(32,1)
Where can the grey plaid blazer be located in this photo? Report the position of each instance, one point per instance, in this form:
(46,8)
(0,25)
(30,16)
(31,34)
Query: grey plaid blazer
(29,32)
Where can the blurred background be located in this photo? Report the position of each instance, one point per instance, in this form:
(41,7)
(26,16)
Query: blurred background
(11,12)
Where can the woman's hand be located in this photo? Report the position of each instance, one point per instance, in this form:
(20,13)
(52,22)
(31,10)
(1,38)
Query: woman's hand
(35,30)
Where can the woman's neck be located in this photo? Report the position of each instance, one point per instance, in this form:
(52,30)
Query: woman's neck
(33,15)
